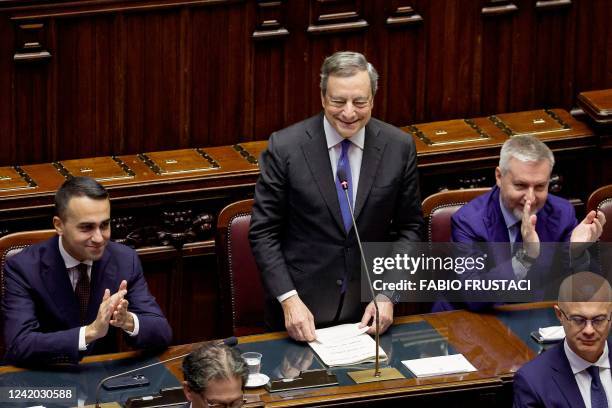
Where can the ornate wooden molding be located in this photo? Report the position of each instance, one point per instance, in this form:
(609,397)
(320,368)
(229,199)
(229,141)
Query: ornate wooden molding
(498,8)
(333,16)
(552,4)
(271,16)
(403,16)
(83,8)
(31,42)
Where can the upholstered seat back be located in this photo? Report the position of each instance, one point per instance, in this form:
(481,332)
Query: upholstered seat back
(601,200)
(11,245)
(242,291)
(438,209)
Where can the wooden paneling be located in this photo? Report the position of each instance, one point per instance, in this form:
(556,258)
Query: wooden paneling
(593,58)
(124,77)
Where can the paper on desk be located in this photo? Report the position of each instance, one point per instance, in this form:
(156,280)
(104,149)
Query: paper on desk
(552,333)
(339,333)
(344,345)
(440,365)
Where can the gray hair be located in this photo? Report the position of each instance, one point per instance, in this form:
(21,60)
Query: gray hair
(346,64)
(526,148)
(213,362)
(585,287)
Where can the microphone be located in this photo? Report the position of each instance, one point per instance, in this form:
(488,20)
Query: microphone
(230,342)
(345,185)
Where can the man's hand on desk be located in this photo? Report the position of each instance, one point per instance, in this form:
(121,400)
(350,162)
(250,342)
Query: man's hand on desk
(298,319)
(385,315)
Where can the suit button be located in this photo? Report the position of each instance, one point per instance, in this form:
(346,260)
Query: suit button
(339,282)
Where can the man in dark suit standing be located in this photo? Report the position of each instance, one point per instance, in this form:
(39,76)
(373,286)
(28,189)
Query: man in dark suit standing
(301,232)
(58,304)
(575,373)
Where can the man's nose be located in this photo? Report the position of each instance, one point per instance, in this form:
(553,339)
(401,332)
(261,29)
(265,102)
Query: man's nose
(97,235)
(349,109)
(530,194)
(588,328)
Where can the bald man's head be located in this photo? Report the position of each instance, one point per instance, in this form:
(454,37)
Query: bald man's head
(584,309)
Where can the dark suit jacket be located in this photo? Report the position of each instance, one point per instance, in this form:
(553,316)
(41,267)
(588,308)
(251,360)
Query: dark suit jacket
(547,381)
(41,313)
(297,235)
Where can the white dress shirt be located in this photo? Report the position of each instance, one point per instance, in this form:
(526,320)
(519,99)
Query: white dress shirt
(73,274)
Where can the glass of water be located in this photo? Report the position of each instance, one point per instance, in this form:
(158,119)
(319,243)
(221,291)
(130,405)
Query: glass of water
(253,361)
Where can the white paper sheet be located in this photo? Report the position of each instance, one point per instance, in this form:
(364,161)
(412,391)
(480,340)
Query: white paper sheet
(440,365)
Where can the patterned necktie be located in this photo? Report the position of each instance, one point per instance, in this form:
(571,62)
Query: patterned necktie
(598,394)
(343,163)
(81,291)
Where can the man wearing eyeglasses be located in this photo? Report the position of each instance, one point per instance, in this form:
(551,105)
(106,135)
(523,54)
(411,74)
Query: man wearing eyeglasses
(214,377)
(302,234)
(575,373)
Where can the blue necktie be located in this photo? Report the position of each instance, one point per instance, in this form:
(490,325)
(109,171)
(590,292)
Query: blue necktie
(343,163)
(598,394)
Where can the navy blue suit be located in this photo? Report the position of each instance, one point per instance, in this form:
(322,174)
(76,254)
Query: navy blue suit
(41,313)
(547,381)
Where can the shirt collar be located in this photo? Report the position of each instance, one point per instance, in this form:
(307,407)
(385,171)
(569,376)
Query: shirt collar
(333,138)
(68,259)
(579,364)
(509,217)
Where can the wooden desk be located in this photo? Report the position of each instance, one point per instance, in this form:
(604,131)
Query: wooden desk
(487,343)
(165,203)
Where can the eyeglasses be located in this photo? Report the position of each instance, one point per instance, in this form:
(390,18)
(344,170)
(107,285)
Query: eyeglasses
(580,322)
(234,404)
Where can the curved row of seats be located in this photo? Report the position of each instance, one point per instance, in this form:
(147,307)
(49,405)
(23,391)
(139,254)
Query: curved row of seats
(241,290)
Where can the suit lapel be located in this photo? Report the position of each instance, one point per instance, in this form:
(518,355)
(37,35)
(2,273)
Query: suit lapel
(317,159)
(56,279)
(564,378)
(372,154)
(495,219)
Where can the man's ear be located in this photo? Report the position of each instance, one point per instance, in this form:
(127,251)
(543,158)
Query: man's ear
(58,225)
(187,391)
(498,175)
(558,313)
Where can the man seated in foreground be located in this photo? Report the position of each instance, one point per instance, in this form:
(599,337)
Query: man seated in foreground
(214,376)
(575,373)
(57,303)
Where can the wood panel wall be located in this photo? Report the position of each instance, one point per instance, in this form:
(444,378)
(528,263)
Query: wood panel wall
(91,78)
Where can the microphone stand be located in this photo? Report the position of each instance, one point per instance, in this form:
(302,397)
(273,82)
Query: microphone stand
(97,405)
(390,373)
(230,342)
(344,185)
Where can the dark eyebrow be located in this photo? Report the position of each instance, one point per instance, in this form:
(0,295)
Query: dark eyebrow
(89,224)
